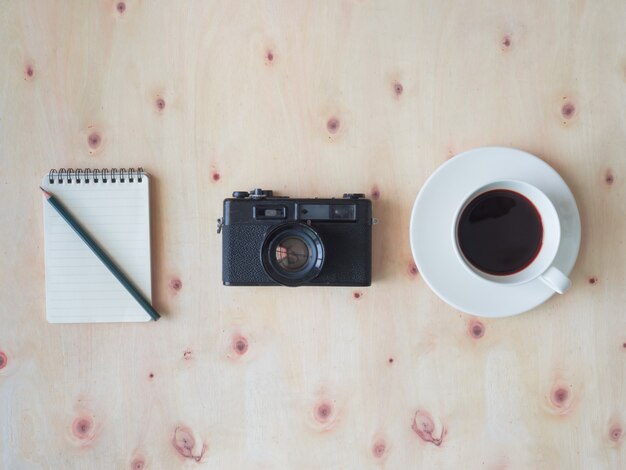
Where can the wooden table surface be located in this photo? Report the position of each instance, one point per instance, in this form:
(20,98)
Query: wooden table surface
(311,99)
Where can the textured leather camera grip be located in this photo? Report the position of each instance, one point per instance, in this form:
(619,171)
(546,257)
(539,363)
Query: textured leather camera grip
(348,260)
(241,255)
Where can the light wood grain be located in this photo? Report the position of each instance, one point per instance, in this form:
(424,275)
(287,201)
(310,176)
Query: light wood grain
(247,90)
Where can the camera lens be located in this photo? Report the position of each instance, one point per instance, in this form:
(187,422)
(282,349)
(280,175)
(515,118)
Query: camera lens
(293,254)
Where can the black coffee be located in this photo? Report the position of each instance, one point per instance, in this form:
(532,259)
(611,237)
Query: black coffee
(500,232)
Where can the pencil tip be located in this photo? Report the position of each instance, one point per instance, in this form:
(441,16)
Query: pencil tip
(45,193)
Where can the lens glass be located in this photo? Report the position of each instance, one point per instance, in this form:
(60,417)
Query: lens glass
(292,254)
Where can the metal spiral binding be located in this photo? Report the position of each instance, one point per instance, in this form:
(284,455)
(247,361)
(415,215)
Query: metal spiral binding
(86,175)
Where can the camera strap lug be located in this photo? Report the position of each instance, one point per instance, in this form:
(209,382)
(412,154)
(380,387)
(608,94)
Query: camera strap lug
(220,224)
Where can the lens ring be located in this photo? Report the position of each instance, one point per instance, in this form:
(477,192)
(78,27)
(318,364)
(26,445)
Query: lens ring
(293,254)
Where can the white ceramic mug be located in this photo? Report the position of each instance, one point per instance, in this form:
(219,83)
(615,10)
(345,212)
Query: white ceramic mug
(541,266)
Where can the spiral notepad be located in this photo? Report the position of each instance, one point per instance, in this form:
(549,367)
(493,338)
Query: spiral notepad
(113,206)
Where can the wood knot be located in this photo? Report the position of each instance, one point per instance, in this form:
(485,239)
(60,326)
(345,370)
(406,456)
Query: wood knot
(615,433)
(375,193)
(424,426)
(398,88)
(323,412)
(568,110)
(476,329)
(94,140)
(82,428)
(184,442)
(561,399)
(240,345)
(176,284)
(379,448)
(333,125)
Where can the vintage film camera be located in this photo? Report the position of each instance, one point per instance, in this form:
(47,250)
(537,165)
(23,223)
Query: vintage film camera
(270,240)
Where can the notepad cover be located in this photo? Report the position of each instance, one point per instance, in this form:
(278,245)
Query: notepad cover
(79,287)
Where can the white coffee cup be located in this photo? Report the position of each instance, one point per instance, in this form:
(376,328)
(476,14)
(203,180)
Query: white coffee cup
(541,267)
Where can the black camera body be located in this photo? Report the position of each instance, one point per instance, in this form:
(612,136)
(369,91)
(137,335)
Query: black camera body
(270,240)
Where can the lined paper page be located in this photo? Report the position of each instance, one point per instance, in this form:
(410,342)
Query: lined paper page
(79,288)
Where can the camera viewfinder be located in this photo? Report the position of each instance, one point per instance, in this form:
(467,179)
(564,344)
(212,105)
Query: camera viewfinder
(271,212)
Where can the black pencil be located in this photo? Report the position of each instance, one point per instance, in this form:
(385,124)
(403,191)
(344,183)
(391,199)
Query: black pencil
(106,260)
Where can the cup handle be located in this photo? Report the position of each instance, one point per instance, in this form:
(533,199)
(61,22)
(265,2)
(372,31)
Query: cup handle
(556,280)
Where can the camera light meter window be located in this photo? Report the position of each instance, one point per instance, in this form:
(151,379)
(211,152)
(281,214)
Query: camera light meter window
(292,254)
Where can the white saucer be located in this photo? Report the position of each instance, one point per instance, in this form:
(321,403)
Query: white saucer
(432,242)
